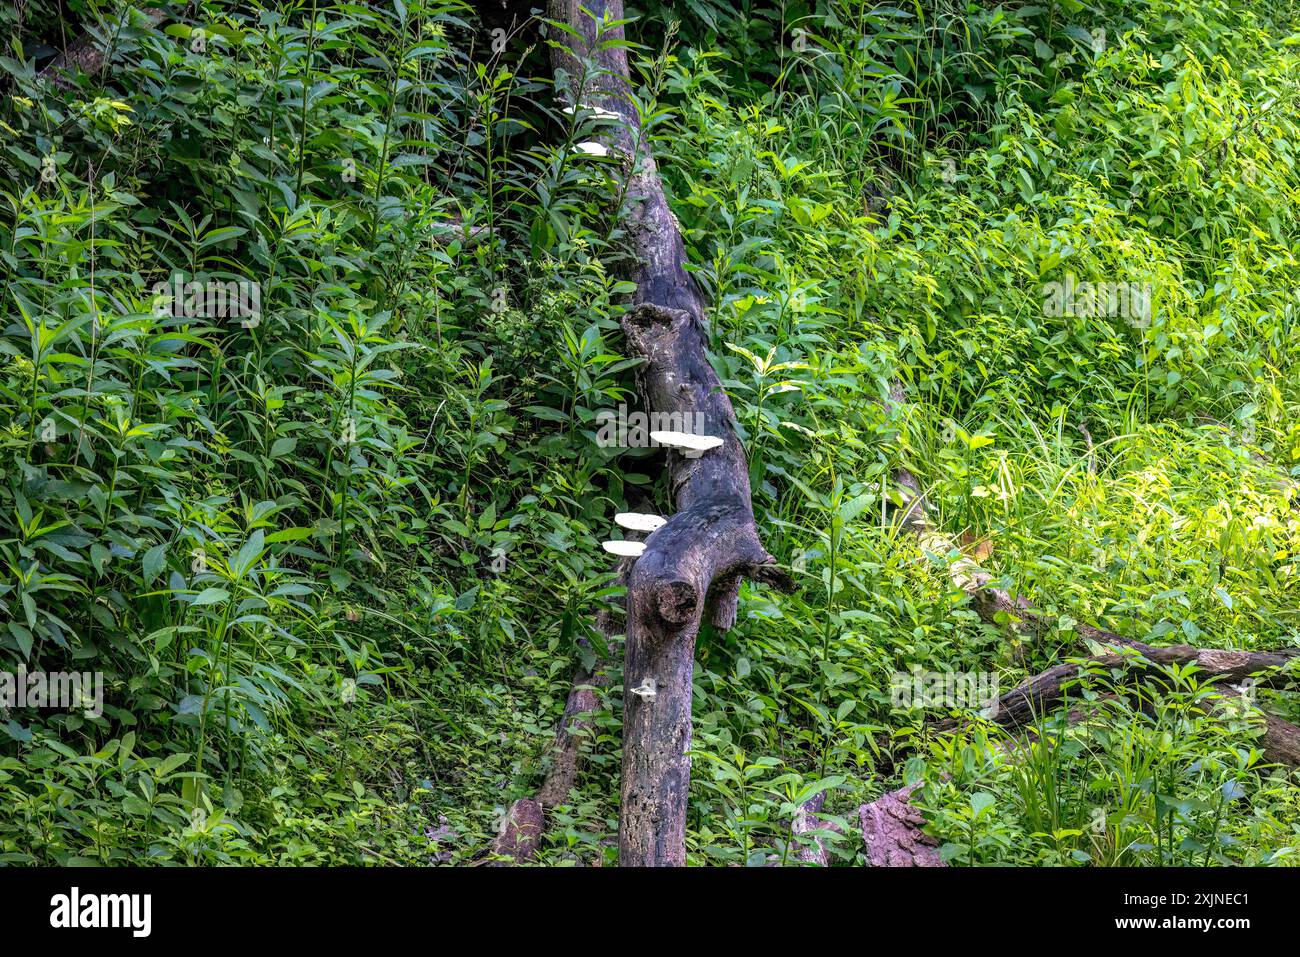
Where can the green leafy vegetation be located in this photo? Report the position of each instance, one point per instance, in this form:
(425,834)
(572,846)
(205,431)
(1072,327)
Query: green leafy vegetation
(337,553)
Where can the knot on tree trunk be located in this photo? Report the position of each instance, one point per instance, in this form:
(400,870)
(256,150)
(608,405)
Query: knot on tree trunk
(650,327)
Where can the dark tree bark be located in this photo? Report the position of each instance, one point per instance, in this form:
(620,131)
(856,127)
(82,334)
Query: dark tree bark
(692,566)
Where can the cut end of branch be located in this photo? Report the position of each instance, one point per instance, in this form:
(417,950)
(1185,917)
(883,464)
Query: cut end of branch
(676,601)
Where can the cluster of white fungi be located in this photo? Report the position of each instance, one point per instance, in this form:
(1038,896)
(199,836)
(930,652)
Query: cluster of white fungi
(693,446)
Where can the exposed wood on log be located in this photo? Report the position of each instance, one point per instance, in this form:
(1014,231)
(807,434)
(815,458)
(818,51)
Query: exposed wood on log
(808,820)
(521,831)
(693,565)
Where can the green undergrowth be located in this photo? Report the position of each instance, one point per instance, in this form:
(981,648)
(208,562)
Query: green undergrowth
(335,565)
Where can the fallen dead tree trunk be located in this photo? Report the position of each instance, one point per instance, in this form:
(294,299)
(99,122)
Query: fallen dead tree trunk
(1020,705)
(1280,741)
(990,601)
(1043,693)
(892,828)
(691,568)
(892,834)
(693,565)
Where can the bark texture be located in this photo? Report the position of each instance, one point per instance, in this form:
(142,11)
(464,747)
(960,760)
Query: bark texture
(693,565)
(892,835)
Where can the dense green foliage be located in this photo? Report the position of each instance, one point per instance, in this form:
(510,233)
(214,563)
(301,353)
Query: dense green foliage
(334,562)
